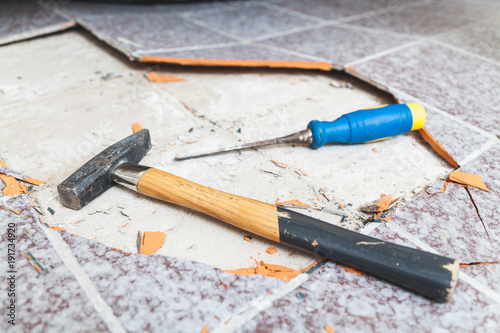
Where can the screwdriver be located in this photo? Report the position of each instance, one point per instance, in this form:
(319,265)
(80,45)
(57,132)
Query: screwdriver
(365,125)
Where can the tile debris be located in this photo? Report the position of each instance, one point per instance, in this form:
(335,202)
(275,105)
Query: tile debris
(155,77)
(437,147)
(36,265)
(136,127)
(150,242)
(271,250)
(467,179)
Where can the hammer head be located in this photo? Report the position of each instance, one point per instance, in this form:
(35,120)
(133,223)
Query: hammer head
(94,177)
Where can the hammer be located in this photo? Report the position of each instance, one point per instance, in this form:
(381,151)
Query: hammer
(425,273)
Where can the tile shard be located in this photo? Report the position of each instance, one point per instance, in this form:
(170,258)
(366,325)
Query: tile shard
(291,203)
(379,205)
(274,271)
(155,77)
(150,241)
(467,179)
(136,127)
(437,147)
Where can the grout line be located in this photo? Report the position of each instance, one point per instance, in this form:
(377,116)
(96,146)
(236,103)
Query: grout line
(462,276)
(386,52)
(369,228)
(487,146)
(219,31)
(95,298)
(465,52)
(290,52)
(376,31)
(260,304)
(418,41)
(289,32)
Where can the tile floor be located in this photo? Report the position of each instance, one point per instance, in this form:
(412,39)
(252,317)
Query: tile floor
(442,54)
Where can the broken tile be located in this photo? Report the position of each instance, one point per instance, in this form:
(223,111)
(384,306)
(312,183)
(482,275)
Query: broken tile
(461,85)
(448,222)
(25,19)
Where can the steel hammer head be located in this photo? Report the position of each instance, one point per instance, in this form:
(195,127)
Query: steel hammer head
(94,177)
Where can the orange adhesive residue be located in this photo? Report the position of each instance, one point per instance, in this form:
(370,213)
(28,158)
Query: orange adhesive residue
(290,202)
(275,271)
(468,179)
(480,263)
(136,127)
(34,181)
(444,187)
(351,270)
(150,242)
(12,186)
(240,63)
(271,250)
(57,228)
(155,77)
(248,239)
(437,147)
(205,328)
(279,165)
(329,329)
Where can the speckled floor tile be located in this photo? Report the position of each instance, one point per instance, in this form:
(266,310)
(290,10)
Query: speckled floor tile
(25,19)
(150,31)
(263,21)
(458,140)
(53,302)
(243,51)
(481,39)
(415,20)
(349,302)
(429,72)
(329,10)
(472,9)
(342,46)
(140,288)
(449,223)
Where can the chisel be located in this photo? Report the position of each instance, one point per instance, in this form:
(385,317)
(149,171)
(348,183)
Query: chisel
(366,125)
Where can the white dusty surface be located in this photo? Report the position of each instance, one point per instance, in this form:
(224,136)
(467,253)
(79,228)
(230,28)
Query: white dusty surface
(60,113)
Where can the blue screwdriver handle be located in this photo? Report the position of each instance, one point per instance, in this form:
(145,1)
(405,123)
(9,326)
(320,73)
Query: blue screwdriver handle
(369,124)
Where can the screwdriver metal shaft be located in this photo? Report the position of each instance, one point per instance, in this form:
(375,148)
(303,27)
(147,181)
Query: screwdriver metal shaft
(360,126)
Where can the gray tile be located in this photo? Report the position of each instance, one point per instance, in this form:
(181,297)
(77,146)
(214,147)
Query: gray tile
(339,45)
(159,293)
(166,9)
(54,302)
(349,302)
(419,21)
(458,140)
(238,52)
(471,9)
(331,10)
(459,84)
(253,21)
(146,32)
(483,40)
(25,19)
(448,222)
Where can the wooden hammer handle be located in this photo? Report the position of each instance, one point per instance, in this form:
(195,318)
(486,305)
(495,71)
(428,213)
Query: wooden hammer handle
(425,273)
